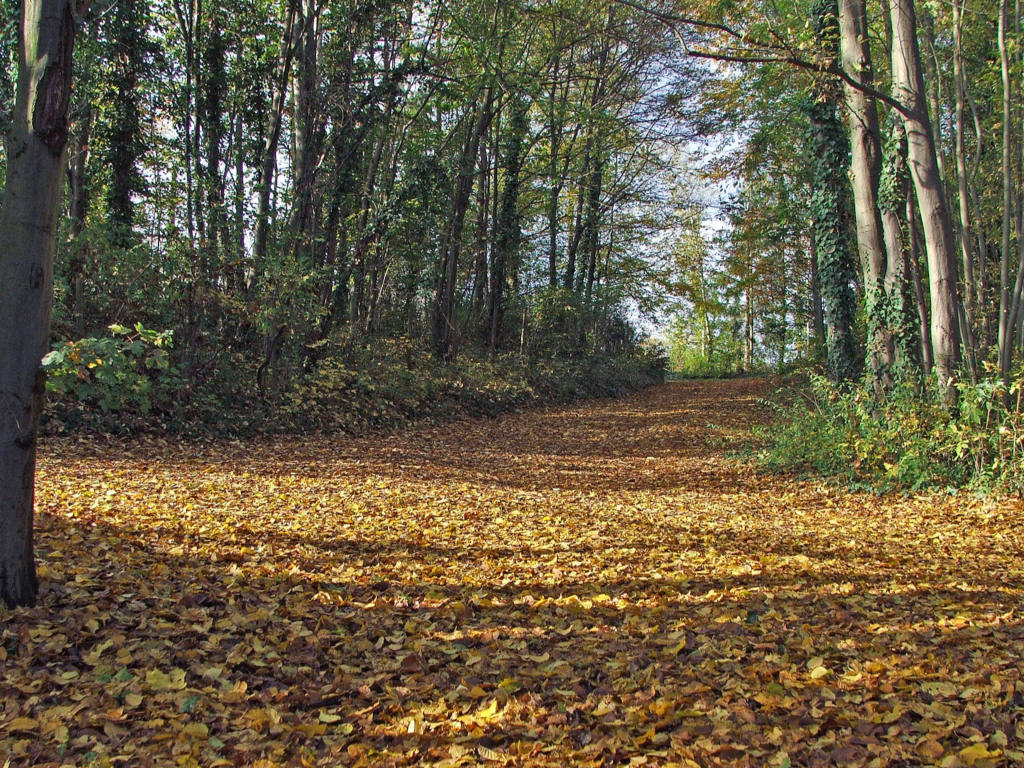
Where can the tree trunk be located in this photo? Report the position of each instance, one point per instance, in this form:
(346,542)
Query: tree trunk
(893,190)
(865,166)
(914,260)
(79,190)
(507,233)
(35,155)
(270,142)
(444,330)
(1005,344)
(817,311)
(830,161)
(125,139)
(970,289)
(909,90)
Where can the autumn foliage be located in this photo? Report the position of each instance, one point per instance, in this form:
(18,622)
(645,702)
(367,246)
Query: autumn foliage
(598,585)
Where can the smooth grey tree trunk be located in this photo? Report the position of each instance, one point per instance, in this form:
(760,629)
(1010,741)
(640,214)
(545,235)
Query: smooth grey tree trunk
(35,175)
(865,167)
(909,90)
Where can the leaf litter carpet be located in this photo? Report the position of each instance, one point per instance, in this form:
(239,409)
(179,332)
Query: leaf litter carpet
(597,585)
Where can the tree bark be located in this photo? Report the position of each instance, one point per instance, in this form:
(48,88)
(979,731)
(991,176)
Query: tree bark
(909,90)
(444,330)
(270,143)
(507,233)
(79,209)
(865,166)
(1005,343)
(35,174)
(829,153)
(970,289)
(914,260)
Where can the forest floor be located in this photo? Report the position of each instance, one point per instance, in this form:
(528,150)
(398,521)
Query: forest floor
(604,584)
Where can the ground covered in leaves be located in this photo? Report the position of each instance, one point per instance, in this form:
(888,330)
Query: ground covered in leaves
(599,585)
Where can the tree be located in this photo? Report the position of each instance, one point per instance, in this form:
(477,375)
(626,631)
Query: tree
(909,88)
(128,48)
(830,160)
(35,177)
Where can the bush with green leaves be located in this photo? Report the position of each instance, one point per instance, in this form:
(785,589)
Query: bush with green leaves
(129,371)
(910,441)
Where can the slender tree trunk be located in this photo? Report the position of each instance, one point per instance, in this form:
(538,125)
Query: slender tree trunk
(1006,330)
(865,166)
(575,236)
(914,260)
(35,175)
(444,329)
(817,311)
(125,139)
(748,328)
(307,135)
(79,210)
(555,179)
(966,238)
(483,254)
(268,165)
(909,90)
(507,227)
(591,231)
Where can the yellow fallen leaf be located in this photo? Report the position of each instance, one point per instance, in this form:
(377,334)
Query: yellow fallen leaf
(931,749)
(604,708)
(196,730)
(22,724)
(163,681)
(972,754)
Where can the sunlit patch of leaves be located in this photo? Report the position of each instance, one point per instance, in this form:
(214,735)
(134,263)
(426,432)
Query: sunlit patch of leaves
(595,585)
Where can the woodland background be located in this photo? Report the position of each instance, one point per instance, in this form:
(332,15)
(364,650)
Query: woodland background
(310,214)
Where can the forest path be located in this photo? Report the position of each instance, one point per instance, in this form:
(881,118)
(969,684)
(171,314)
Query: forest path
(598,584)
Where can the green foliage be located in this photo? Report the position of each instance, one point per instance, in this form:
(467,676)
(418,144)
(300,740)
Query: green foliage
(911,441)
(558,317)
(127,382)
(703,350)
(830,161)
(129,371)
(836,269)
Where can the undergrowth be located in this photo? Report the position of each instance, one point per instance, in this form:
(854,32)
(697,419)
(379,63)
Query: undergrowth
(107,386)
(909,441)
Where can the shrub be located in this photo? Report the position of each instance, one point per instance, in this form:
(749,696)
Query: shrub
(128,371)
(909,441)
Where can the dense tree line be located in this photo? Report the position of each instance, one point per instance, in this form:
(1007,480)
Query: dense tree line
(272,178)
(917,260)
